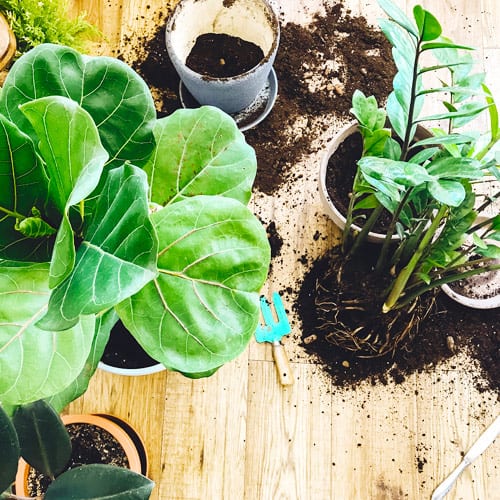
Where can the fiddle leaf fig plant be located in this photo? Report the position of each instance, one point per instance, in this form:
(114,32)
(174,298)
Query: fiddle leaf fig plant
(107,212)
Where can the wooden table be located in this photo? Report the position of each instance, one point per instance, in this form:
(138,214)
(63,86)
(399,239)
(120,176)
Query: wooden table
(239,434)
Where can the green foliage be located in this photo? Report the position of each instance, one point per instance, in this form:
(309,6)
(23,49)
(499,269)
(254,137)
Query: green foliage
(37,433)
(44,441)
(425,183)
(9,444)
(46,21)
(98,481)
(79,240)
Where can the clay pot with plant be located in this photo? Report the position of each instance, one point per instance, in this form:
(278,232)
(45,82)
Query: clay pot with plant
(106,212)
(223,50)
(425,185)
(99,458)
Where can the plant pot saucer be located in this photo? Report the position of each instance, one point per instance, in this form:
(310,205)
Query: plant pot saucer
(250,116)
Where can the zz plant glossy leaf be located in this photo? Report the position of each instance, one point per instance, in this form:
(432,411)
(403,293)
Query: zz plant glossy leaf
(44,440)
(34,363)
(100,482)
(112,93)
(200,151)
(117,256)
(203,308)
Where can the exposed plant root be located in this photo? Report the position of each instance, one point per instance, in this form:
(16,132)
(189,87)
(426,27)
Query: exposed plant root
(356,323)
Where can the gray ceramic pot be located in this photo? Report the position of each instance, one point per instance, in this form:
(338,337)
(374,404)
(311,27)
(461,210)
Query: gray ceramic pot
(252,20)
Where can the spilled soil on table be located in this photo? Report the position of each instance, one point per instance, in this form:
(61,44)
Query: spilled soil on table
(319,65)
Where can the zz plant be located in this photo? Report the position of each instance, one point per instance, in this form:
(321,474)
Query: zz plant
(106,212)
(426,185)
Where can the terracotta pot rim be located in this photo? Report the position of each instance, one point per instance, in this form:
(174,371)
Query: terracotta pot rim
(108,422)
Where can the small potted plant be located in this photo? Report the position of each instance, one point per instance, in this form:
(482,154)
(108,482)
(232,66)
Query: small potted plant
(225,58)
(56,464)
(110,212)
(424,185)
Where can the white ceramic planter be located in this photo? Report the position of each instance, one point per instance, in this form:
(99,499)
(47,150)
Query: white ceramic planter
(116,343)
(251,20)
(330,208)
(479,286)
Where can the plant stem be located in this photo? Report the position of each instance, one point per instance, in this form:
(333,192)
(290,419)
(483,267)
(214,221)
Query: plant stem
(443,281)
(360,238)
(405,273)
(411,109)
(11,213)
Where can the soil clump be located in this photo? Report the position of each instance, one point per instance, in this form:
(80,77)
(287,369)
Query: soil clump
(220,55)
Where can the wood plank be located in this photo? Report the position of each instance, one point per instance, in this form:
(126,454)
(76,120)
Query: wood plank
(204,432)
(288,453)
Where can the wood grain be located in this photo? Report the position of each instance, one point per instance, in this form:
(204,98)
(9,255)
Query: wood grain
(240,434)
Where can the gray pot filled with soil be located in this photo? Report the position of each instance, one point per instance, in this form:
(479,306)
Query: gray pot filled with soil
(223,50)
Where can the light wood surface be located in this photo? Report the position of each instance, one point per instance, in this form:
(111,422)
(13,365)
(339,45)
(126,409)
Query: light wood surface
(242,435)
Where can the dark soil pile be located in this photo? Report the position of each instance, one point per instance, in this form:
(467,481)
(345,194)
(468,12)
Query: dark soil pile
(448,329)
(318,68)
(220,55)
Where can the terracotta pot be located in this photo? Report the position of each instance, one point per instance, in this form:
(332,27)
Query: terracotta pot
(7,43)
(331,209)
(474,290)
(120,430)
(251,20)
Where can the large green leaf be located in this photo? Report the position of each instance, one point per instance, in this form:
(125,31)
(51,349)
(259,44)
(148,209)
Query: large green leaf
(103,326)
(447,192)
(200,151)
(34,363)
(9,444)
(44,440)
(74,158)
(100,482)
(428,26)
(395,13)
(24,186)
(117,256)
(118,100)
(203,308)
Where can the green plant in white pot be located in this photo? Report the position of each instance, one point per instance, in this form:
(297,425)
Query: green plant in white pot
(105,209)
(424,185)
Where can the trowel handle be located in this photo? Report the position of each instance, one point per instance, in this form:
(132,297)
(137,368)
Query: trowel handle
(282,363)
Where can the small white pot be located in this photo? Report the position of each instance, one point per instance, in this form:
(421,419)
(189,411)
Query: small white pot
(251,20)
(330,208)
(478,285)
